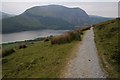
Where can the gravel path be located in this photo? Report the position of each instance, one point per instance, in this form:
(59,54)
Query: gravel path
(86,63)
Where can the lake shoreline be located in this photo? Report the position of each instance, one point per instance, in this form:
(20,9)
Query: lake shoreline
(36,39)
(28,35)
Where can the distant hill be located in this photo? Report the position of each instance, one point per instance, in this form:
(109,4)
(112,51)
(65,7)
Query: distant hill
(46,17)
(49,17)
(5,15)
(75,16)
(98,19)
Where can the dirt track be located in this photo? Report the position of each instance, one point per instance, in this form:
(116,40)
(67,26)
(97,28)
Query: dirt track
(86,63)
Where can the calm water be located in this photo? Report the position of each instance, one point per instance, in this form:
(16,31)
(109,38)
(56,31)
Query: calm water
(27,35)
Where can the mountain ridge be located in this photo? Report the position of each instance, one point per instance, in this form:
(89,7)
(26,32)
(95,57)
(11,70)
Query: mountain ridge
(49,17)
(5,15)
(46,17)
(98,19)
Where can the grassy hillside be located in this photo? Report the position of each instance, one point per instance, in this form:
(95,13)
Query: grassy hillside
(38,60)
(107,35)
(26,22)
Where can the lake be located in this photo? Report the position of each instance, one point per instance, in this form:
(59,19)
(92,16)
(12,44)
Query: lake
(28,35)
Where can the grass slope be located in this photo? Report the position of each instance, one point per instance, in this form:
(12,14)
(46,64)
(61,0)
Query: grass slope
(38,60)
(106,38)
(28,22)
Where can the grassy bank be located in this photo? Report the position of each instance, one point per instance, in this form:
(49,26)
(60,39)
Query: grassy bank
(106,38)
(38,60)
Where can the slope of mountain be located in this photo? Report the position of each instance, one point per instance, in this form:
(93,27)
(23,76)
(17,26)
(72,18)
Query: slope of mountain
(98,19)
(46,17)
(49,17)
(5,15)
(75,16)
(24,23)
(107,37)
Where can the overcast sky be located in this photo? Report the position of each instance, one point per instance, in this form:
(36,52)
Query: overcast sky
(106,8)
(60,0)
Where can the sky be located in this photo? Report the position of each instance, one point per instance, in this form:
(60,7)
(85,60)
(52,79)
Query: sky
(60,0)
(105,8)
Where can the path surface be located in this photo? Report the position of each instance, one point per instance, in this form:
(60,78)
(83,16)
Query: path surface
(86,63)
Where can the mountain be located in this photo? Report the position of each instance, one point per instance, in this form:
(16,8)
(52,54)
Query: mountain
(46,17)
(75,16)
(98,19)
(5,15)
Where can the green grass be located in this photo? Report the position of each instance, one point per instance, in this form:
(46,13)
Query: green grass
(38,60)
(106,38)
(67,37)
